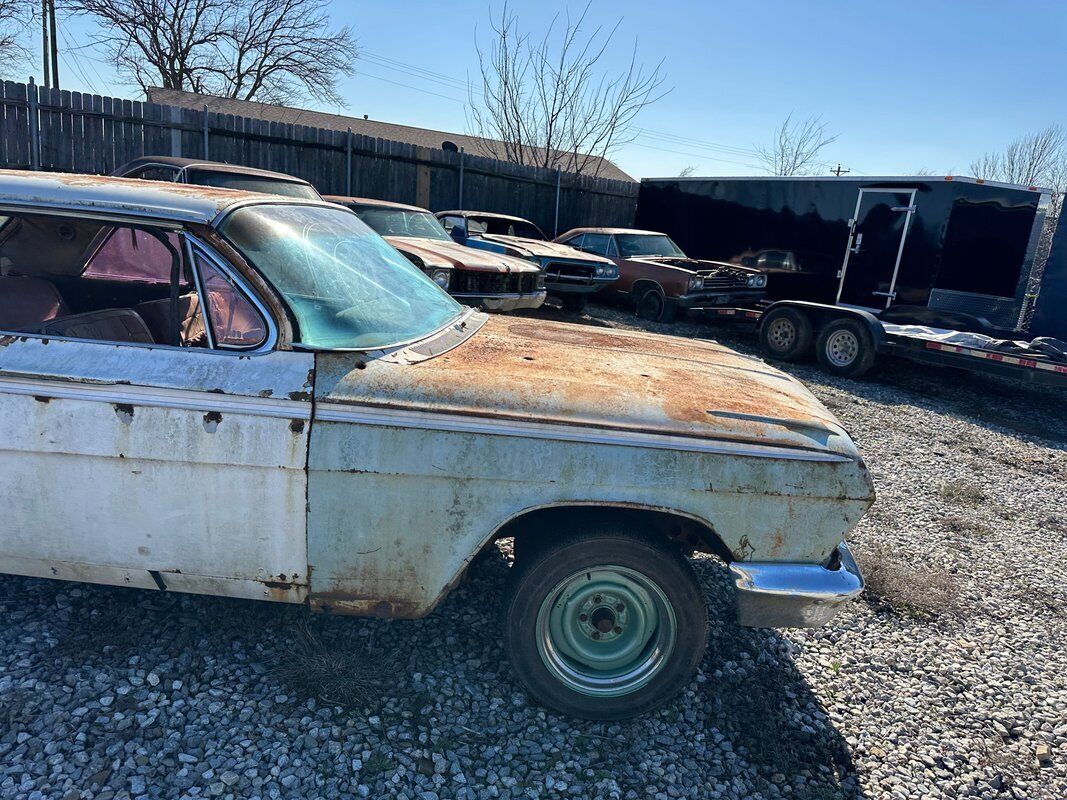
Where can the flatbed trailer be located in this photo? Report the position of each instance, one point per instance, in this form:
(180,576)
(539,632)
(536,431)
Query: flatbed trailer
(849,341)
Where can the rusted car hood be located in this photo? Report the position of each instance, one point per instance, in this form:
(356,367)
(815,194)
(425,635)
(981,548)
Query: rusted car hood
(529,370)
(441,253)
(542,249)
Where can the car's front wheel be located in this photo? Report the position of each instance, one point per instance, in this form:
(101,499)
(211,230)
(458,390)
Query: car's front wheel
(574,303)
(605,624)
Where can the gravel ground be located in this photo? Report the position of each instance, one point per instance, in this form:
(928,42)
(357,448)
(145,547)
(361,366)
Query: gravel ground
(948,684)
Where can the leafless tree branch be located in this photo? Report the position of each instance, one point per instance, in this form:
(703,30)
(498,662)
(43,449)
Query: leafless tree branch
(267,50)
(795,147)
(550,102)
(14,16)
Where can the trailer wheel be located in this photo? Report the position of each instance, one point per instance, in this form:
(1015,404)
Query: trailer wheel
(845,348)
(786,334)
(605,623)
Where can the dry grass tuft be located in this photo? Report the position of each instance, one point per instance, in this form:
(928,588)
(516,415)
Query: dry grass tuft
(961,492)
(332,673)
(919,593)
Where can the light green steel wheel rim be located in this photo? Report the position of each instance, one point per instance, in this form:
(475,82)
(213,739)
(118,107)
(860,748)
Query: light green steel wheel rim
(606,631)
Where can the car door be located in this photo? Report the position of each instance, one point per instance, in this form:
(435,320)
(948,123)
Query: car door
(176,465)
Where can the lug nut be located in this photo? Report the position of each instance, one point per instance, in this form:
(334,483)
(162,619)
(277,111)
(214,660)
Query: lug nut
(596,634)
(583,617)
(618,629)
(620,607)
(597,598)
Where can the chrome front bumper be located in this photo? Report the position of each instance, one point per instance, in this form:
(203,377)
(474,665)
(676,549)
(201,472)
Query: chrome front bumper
(773,595)
(503,302)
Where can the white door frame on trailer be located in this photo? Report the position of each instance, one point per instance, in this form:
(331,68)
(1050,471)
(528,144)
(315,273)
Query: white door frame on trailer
(891,294)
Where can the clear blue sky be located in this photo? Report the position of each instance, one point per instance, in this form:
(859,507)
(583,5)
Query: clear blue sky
(907,85)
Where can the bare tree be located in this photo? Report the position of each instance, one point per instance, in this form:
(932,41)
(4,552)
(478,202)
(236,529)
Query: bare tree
(687,171)
(14,15)
(265,50)
(549,102)
(796,147)
(1031,160)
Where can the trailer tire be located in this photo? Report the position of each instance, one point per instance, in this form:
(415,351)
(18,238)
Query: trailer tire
(846,348)
(786,334)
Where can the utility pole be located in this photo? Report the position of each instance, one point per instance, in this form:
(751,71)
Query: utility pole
(49,46)
(55,45)
(839,170)
(45,50)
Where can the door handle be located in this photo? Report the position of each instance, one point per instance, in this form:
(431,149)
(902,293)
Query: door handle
(890,295)
(856,243)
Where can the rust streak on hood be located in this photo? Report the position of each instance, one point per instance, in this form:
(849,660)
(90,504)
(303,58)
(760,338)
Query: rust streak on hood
(576,375)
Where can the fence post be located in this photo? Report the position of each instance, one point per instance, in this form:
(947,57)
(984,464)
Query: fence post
(35,126)
(462,153)
(559,180)
(207,150)
(348,164)
(175,115)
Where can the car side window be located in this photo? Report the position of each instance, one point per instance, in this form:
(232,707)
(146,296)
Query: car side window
(452,222)
(132,254)
(235,321)
(156,174)
(596,243)
(575,241)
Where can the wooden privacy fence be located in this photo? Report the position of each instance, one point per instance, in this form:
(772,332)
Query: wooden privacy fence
(63,131)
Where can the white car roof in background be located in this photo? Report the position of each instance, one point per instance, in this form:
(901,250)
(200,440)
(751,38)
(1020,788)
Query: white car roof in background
(100,194)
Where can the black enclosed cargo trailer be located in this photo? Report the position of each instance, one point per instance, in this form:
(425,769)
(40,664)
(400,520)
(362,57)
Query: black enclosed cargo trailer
(1050,308)
(951,244)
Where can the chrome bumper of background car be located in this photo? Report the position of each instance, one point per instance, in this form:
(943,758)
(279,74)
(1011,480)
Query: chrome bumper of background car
(773,595)
(503,302)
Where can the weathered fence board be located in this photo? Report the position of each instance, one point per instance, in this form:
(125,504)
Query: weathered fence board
(76,132)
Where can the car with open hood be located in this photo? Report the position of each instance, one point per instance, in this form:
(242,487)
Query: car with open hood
(570,275)
(660,280)
(491,281)
(217,174)
(254,396)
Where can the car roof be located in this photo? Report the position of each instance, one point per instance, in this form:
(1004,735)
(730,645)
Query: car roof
(128,197)
(207,166)
(492,214)
(371,202)
(613,231)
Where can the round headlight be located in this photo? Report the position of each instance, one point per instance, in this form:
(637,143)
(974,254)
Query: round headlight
(441,277)
(600,269)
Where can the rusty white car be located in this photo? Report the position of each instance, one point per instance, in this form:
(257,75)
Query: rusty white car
(228,393)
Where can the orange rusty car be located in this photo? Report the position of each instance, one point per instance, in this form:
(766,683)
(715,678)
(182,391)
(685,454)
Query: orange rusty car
(659,279)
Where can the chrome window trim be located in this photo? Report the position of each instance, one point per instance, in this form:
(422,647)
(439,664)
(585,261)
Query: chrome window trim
(271,339)
(130,217)
(187,246)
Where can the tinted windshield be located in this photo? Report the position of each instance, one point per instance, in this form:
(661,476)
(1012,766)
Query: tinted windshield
(504,227)
(347,288)
(643,244)
(401,222)
(251,183)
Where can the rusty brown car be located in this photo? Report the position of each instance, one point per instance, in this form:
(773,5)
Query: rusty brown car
(659,279)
